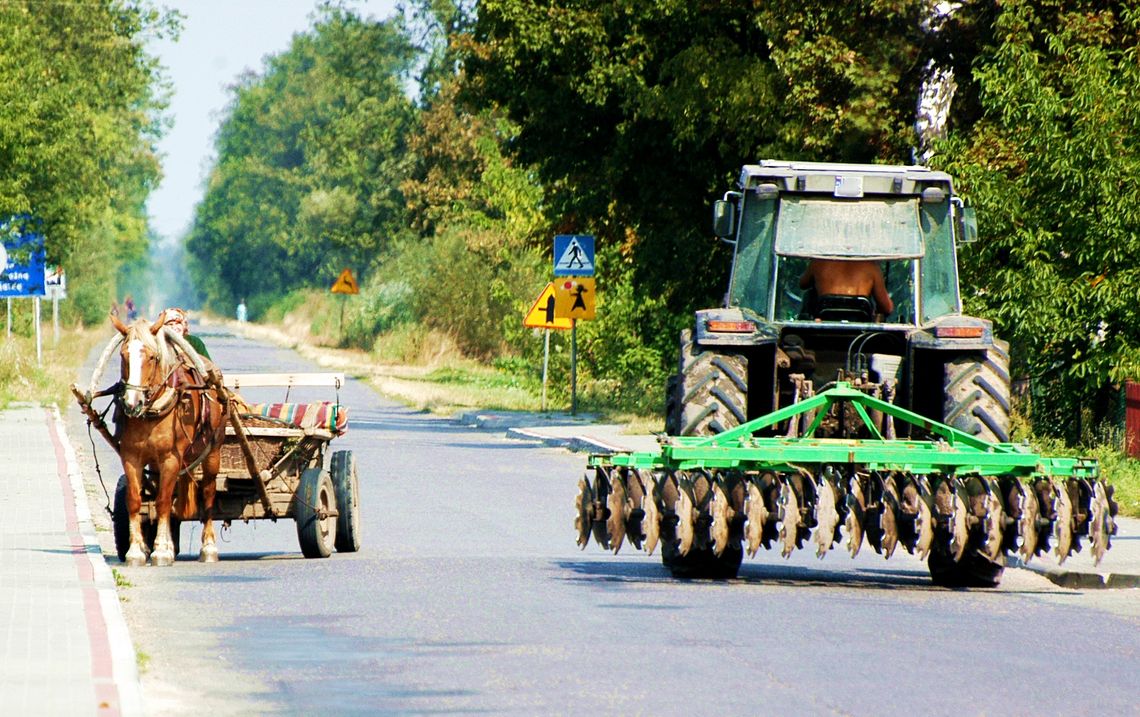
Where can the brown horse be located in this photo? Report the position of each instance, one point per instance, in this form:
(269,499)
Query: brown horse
(171,416)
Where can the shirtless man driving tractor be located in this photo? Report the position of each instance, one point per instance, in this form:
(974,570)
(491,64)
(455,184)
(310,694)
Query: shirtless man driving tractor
(848,278)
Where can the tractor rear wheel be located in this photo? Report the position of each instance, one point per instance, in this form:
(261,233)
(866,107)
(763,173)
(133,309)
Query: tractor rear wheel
(701,562)
(977,393)
(710,393)
(974,570)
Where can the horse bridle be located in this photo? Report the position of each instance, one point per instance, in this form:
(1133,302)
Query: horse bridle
(148,407)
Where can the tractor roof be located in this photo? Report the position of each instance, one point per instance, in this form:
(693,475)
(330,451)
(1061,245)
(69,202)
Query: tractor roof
(847,180)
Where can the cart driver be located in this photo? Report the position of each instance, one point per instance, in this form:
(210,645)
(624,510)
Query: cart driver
(848,278)
(175,319)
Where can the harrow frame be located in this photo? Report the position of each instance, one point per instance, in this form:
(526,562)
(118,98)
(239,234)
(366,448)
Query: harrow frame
(962,501)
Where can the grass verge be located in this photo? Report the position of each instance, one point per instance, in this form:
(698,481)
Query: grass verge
(23,378)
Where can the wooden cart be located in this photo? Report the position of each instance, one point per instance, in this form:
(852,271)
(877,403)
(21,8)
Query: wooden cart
(271,469)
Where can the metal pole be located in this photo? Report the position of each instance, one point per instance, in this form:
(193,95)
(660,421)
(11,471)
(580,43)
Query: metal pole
(36,321)
(9,317)
(545,365)
(573,366)
(55,319)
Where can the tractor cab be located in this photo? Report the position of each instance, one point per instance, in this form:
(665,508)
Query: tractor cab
(903,219)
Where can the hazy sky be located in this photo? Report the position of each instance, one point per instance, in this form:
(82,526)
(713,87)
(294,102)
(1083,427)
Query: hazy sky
(220,39)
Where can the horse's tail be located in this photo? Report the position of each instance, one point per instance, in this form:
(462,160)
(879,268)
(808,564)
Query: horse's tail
(186,498)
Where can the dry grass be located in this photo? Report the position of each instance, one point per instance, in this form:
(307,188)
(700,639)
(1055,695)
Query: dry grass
(22,379)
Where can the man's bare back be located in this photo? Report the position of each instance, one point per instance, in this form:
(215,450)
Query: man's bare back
(848,278)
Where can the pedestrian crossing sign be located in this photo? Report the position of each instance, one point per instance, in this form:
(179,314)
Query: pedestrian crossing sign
(574,298)
(573,255)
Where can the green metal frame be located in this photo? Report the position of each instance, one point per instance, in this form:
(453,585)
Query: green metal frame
(952,452)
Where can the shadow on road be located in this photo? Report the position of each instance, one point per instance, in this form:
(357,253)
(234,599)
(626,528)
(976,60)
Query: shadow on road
(758,574)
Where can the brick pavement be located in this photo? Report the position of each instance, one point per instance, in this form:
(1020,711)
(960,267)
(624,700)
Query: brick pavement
(65,649)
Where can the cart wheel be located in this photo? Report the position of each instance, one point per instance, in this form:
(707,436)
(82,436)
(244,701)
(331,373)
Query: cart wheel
(343,468)
(313,504)
(120,521)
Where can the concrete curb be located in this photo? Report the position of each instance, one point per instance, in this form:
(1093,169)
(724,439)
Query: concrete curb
(124,663)
(1079,579)
(578,444)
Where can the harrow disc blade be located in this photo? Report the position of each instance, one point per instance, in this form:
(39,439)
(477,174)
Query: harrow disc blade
(924,524)
(651,523)
(856,511)
(959,531)
(994,518)
(789,528)
(1101,524)
(584,511)
(600,522)
(890,518)
(686,516)
(1027,524)
(1063,524)
(721,512)
(756,513)
(826,518)
(634,510)
(615,522)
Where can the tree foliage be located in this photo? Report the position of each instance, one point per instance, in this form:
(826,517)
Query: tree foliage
(310,158)
(1052,167)
(80,104)
(626,119)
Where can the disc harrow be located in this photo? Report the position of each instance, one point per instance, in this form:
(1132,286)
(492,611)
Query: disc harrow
(959,502)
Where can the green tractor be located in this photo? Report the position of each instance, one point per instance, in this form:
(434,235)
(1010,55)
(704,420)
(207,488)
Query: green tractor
(895,407)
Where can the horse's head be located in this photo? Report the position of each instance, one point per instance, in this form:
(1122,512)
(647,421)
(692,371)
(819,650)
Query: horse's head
(145,363)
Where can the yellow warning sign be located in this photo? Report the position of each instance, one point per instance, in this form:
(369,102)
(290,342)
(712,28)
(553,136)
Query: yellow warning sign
(574,298)
(345,284)
(541,315)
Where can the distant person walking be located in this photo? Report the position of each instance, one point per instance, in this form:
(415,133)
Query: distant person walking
(241,312)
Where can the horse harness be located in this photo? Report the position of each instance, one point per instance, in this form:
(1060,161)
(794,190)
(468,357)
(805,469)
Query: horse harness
(182,385)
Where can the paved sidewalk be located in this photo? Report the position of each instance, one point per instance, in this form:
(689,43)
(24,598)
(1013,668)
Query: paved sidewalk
(1119,569)
(65,648)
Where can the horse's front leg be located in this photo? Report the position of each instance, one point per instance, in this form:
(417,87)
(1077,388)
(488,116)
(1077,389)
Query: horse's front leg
(209,551)
(137,552)
(163,554)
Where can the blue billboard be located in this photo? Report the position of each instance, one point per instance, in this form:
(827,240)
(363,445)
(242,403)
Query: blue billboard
(21,257)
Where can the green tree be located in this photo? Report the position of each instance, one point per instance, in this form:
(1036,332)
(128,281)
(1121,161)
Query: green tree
(1051,166)
(310,159)
(80,112)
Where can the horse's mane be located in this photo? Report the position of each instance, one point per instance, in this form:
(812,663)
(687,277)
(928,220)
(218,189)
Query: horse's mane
(140,329)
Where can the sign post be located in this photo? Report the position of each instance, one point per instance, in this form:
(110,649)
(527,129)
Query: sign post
(345,284)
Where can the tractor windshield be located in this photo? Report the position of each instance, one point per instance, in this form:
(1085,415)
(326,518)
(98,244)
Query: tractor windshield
(910,241)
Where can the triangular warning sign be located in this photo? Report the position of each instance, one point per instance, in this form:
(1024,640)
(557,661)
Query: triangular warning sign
(541,314)
(345,284)
(575,259)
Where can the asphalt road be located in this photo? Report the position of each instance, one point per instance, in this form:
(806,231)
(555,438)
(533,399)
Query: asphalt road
(470,596)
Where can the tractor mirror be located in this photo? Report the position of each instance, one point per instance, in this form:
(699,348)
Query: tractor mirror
(724,218)
(967,225)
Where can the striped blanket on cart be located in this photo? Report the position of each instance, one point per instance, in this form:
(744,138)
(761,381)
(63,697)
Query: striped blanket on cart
(327,415)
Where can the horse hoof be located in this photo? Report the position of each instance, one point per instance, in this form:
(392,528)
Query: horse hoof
(135,558)
(162,561)
(208,555)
